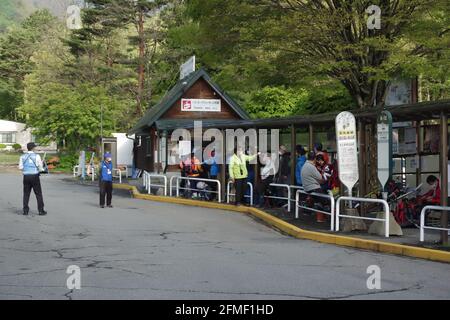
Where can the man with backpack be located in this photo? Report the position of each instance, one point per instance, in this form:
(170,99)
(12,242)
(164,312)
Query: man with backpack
(31,165)
(192,168)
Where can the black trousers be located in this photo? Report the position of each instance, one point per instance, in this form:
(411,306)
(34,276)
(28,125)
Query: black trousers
(106,188)
(32,182)
(213,187)
(320,200)
(241,188)
(262,187)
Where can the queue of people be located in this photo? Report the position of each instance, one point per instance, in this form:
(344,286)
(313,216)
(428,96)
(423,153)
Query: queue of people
(313,171)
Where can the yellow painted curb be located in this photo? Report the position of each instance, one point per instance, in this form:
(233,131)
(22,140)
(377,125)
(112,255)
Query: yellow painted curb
(373,245)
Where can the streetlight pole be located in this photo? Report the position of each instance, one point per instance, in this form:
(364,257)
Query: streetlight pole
(102,152)
(101,121)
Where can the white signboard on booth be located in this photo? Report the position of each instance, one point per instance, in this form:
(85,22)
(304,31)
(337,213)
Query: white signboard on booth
(187,68)
(347,149)
(201,105)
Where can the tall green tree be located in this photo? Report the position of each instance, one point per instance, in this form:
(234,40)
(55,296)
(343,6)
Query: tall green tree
(16,49)
(67,97)
(103,16)
(323,38)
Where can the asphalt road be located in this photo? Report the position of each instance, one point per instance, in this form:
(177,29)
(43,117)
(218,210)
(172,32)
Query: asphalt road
(147,250)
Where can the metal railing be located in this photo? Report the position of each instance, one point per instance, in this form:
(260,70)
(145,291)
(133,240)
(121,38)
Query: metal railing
(171,184)
(118,175)
(218,192)
(422,220)
(328,196)
(233,194)
(92,172)
(147,181)
(383,202)
(287,199)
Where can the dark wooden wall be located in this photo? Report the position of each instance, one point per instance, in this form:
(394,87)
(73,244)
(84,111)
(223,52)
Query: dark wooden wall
(200,90)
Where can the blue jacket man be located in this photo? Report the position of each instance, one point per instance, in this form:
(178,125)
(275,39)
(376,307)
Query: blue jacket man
(106,178)
(301,159)
(214,167)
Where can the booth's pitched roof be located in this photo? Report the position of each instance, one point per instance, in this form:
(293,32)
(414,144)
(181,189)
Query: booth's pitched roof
(155,112)
(407,112)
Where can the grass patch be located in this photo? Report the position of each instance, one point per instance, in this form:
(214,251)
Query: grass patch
(9,158)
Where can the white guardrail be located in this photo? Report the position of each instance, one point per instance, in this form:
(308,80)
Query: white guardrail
(171,185)
(233,194)
(92,171)
(287,199)
(422,220)
(328,196)
(147,182)
(178,188)
(117,173)
(383,202)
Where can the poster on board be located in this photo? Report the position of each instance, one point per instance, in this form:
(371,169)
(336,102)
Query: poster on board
(347,149)
(384,147)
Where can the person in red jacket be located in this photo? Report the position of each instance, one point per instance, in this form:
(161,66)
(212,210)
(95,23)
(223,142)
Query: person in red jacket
(432,197)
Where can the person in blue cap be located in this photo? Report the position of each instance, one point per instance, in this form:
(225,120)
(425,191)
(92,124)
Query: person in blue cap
(106,181)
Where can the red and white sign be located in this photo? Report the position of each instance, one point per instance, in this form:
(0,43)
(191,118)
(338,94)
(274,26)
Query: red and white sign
(201,105)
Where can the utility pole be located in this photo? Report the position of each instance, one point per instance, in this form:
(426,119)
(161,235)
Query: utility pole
(101,121)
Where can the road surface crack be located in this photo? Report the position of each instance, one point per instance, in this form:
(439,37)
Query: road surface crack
(68,295)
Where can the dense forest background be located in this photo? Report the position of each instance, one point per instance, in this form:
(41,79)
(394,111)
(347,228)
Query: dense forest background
(276,58)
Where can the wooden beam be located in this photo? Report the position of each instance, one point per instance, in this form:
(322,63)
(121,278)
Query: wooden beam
(444,175)
(293,154)
(223,166)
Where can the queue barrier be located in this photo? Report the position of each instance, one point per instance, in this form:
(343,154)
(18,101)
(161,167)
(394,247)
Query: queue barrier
(422,220)
(287,199)
(328,196)
(171,185)
(117,173)
(232,194)
(178,188)
(381,201)
(92,171)
(147,181)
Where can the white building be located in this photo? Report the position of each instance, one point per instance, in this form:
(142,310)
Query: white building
(124,149)
(15,132)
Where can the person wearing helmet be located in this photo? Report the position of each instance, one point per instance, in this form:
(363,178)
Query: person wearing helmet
(31,165)
(106,181)
(318,149)
(192,168)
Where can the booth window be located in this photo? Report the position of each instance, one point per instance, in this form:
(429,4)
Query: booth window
(7,137)
(148,147)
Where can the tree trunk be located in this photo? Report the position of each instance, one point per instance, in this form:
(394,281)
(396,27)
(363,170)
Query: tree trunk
(368,96)
(141,64)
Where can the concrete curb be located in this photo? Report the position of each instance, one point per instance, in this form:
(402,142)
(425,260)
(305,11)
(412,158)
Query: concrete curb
(373,245)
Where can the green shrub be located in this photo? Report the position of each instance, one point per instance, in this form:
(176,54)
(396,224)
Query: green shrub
(67,161)
(17,146)
(2,146)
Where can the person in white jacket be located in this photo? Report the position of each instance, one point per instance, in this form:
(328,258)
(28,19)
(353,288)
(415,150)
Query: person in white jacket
(31,165)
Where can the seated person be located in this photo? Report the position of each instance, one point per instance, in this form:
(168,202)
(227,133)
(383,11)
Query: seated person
(192,168)
(433,196)
(325,170)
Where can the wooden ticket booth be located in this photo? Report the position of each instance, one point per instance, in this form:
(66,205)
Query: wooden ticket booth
(194,98)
